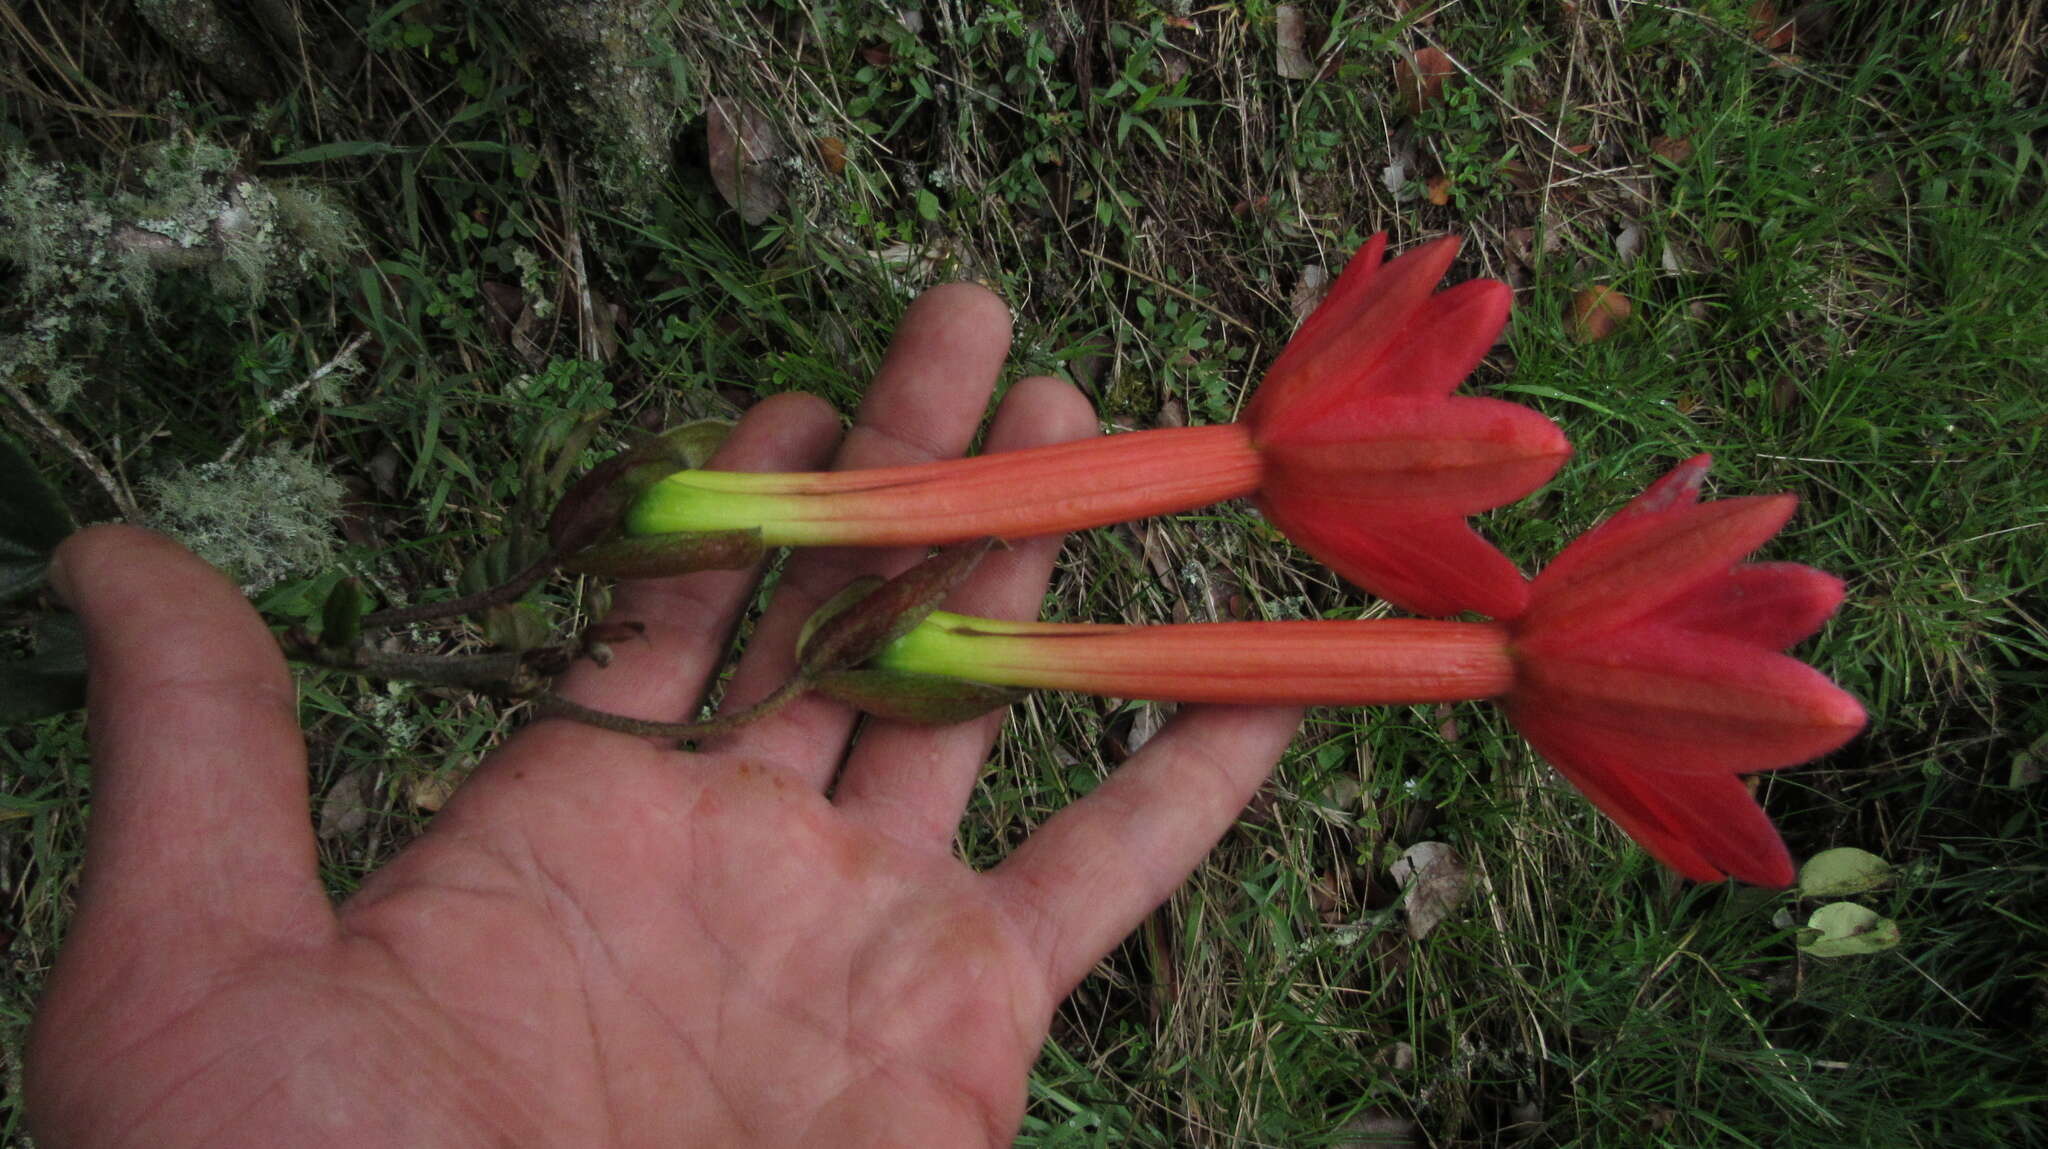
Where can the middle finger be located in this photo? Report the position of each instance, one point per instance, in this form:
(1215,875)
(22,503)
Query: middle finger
(925,404)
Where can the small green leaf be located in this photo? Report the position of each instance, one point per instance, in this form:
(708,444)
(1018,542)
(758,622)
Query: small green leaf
(32,521)
(1845,929)
(1841,871)
(341,617)
(516,626)
(50,681)
(496,564)
(926,699)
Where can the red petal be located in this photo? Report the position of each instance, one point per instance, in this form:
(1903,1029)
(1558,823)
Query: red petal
(1351,290)
(1434,567)
(1445,340)
(1347,346)
(1678,487)
(1770,604)
(1641,560)
(1339,307)
(1677,700)
(1675,489)
(1404,459)
(1706,827)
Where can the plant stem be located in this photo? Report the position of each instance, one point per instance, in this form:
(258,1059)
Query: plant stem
(555,706)
(123,500)
(507,591)
(504,674)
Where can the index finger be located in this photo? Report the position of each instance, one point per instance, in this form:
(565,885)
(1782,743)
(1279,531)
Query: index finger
(926,403)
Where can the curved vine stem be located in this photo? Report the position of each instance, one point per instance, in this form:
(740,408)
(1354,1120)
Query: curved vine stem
(504,592)
(553,705)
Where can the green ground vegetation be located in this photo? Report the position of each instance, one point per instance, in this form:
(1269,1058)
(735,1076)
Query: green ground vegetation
(1831,229)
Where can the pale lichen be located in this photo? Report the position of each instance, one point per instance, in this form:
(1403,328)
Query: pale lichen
(263,519)
(87,251)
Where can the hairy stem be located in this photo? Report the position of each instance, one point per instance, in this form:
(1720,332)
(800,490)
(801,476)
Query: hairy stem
(507,591)
(504,674)
(555,706)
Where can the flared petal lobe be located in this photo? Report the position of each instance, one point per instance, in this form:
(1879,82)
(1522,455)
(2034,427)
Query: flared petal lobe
(1341,304)
(1402,459)
(1648,673)
(1444,341)
(1366,312)
(1770,604)
(1630,568)
(1371,465)
(1705,826)
(1676,701)
(1433,567)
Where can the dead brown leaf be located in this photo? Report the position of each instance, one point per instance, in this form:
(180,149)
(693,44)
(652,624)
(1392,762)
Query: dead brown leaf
(832,153)
(1291,34)
(607,319)
(1775,33)
(1522,243)
(1672,149)
(430,792)
(1419,79)
(742,146)
(1309,291)
(1378,1129)
(514,321)
(1597,312)
(346,808)
(1423,12)
(1324,899)
(1628,243)
(1432,881)
(1147,721)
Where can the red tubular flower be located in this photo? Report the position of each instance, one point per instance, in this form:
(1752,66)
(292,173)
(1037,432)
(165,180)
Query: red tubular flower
(1371,464)
(1650,674)
(1646,669)
(1354,447)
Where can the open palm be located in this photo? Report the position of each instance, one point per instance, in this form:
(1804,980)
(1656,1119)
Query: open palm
(601,940)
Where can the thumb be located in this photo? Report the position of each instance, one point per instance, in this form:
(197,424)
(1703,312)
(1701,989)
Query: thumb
(199,841)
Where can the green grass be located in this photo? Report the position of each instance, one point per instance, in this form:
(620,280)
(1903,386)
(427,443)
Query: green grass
(1838,293)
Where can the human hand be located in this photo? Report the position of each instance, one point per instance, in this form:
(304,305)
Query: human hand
(602,940)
